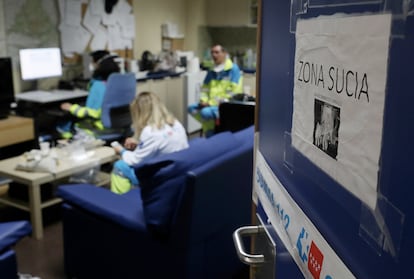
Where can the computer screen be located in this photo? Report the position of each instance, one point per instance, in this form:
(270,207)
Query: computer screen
(6,86)
(37,63)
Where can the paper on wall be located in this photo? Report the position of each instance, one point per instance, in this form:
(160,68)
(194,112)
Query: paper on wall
(339,93)
(109,19)
(74,38)
(115,39)
(119,25)
(123,7)
(97,7)
(91,22)
(73,12)
(99,39)
(127,23)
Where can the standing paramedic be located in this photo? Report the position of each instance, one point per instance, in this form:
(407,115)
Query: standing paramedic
(222,81)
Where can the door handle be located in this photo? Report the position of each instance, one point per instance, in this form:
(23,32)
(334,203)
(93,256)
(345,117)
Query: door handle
(250,259)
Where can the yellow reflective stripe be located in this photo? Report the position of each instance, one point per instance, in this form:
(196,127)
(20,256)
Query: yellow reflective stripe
(220,88)
(119,184)
(74,108)
(82,112)
(98,124)
(94,113)
(228,64)
(237,87)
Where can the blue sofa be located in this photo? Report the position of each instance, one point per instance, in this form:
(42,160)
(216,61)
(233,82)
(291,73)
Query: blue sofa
(10,234)
(178,224)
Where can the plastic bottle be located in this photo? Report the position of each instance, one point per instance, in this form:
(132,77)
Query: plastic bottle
(249,59)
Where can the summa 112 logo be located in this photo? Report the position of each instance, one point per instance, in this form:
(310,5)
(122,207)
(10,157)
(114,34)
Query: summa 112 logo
(310,254)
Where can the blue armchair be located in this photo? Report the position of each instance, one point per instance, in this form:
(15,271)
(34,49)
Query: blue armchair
(10,234)
(178,224)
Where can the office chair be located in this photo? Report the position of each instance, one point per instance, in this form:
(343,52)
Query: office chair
(116,117)
(235,116)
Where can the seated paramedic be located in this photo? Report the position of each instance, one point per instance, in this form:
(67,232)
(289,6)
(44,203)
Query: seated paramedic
(222,81)
(156,131)
(103,64)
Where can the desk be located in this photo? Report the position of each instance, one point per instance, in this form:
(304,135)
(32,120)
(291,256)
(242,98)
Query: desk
(44,97)
(34,181)
(15,129)
(36,104)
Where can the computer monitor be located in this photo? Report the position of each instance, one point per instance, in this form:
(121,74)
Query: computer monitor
(38,63)
(6,86)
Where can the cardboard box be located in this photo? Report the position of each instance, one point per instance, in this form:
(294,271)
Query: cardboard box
(172,44)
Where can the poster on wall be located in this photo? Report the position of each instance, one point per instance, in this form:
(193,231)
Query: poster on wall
(87,25)
(339,93)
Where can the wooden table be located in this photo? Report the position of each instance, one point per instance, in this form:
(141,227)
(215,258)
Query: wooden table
(34,180)
(16,129)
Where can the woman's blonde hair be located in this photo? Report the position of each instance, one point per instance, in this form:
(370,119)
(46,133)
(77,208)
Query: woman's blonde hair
(147,109)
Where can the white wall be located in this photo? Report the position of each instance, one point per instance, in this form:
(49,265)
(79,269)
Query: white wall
(196,17)
(149,15)
(3,49)
(189,15)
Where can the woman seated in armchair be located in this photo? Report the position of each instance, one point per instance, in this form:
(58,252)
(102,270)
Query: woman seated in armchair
(156,132)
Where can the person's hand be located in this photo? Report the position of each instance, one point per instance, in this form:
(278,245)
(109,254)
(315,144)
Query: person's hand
(65,106)
(221,101)
(130,143)
(118,149)
(203,104)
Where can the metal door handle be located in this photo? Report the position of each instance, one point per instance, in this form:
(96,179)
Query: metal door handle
(246,258)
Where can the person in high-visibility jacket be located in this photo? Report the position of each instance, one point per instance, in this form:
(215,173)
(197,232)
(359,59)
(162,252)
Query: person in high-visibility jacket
(103,65)
(222,81)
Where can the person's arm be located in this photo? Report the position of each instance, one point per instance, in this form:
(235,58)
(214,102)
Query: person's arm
(79,111)
(236,80)
(148,147)
(65,106)
(93,103)
(84,112)
(96,95)
(205,90)
(130,143)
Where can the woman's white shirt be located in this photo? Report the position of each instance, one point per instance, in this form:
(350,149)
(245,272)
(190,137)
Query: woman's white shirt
(154,142)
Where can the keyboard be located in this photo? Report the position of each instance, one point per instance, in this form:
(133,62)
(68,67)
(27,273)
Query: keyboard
(43,96)
(63,91)
(37,94)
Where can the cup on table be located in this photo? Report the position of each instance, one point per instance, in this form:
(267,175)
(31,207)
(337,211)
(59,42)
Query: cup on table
(44,148)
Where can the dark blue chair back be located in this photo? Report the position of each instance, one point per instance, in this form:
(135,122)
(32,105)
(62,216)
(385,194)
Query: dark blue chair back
(120,91)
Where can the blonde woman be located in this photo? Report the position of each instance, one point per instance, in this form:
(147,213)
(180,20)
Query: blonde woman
(157,132)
